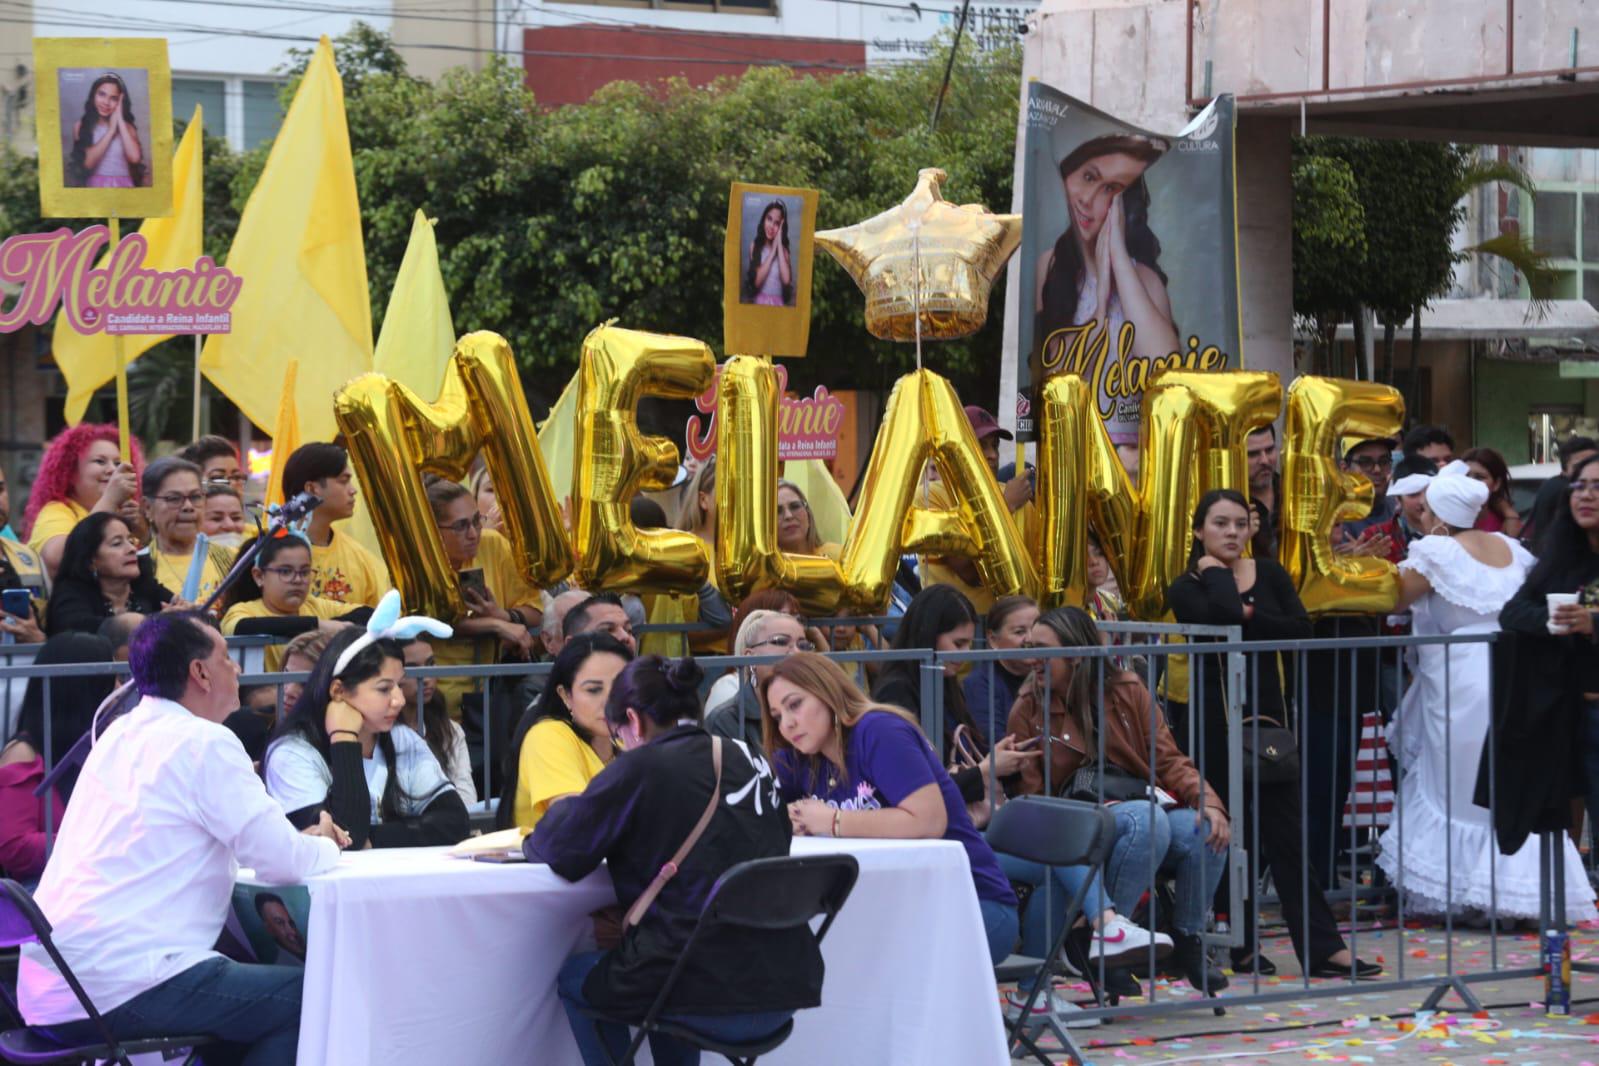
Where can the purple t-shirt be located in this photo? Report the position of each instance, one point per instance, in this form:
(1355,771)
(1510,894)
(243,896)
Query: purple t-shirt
(888,759)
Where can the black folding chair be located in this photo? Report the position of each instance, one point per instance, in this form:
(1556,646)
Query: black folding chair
(1051,832)
(765,895)
(21,922)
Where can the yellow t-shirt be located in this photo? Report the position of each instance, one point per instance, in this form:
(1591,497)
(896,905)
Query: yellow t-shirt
(1028,524)
(313,607)
(553,762)
(55,519)
(498,563)
(172,569)
(28,566)
(345,571)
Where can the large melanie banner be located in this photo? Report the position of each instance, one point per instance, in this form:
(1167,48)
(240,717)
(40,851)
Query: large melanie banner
(1129,254)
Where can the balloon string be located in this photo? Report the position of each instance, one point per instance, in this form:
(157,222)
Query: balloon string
(916,288)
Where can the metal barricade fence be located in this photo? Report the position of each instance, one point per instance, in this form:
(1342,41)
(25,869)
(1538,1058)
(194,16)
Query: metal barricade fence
(1210,663)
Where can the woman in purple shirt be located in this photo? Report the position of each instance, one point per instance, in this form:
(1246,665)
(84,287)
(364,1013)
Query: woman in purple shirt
(848,767)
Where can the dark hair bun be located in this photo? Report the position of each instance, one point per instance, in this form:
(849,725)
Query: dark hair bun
(684,675)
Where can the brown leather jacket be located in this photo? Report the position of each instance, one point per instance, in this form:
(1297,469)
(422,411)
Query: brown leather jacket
(1126,723)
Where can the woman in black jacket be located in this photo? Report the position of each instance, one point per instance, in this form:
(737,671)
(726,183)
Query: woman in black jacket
(101,574)
(633,817)
(1224,588)
(1562,642)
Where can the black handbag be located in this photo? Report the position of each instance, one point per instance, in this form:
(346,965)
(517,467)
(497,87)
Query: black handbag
(1105,781)
(1271,754)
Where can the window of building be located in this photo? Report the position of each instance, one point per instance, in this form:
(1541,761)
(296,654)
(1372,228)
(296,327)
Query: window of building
(246,111)
(1565,226)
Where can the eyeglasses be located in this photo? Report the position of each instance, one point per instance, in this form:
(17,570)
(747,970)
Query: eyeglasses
(790,508)
(235,479)
(295,574)
(178,499)
(464,526)
(1585,488)
(783,641)
(1366,462)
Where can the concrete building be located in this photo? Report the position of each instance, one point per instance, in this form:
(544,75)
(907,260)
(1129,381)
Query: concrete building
(1487,72)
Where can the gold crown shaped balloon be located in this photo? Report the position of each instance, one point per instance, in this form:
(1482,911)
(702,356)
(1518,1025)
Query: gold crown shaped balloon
(960,250)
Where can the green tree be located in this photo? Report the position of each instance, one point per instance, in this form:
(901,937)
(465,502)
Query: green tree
(1329,246)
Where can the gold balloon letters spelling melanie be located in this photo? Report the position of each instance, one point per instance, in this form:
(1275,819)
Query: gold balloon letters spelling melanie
(1194,425)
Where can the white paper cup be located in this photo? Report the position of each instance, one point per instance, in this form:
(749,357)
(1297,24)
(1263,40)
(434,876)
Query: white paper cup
(1557,599)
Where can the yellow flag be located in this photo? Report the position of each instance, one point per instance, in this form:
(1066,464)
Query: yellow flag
(86,359)
(829,507)
(558,440)
(285,433)
(417,338)
(300,255)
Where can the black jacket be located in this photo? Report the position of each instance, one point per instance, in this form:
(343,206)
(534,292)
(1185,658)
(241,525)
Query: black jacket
(738,718)
(633,816)
(79,606)
(1531,755)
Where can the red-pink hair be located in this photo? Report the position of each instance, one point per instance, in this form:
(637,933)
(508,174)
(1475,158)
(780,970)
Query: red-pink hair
(58,471)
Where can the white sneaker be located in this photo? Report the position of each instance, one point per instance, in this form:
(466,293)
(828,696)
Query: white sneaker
(1067,1014)
(1121,941)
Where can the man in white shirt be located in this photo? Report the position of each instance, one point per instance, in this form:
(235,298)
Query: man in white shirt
(139,884)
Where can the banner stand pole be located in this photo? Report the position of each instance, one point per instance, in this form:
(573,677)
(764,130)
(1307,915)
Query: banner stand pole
(124,422)
(198,337)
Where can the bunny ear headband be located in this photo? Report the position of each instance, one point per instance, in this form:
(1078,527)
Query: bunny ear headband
(386,624)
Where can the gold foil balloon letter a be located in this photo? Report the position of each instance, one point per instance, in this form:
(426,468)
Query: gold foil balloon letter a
(960,250)
(614,461)
(395,436)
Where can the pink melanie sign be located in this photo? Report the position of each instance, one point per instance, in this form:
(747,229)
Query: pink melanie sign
(807,427)
(121,296)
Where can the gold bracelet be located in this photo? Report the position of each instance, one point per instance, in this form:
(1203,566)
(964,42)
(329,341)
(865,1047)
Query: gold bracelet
(837,813)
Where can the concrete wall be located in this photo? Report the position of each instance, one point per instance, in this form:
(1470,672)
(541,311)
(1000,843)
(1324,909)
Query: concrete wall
(434,37)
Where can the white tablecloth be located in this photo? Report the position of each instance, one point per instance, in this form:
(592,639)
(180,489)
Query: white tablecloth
(419,958)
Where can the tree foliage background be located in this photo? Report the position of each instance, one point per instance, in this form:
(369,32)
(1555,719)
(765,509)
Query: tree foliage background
(553,221)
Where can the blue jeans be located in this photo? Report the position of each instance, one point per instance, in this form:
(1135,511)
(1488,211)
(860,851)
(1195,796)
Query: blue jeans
(1149,839)
(255,1010)
(1047,908)
(999,925)
(594,1037)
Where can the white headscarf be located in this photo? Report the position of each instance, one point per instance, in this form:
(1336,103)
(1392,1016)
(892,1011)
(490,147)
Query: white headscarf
(1455,496)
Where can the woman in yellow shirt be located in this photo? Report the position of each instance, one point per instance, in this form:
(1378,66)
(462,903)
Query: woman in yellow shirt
(275,600)
(563,741)
(81,472)
(504,611)
(173,498)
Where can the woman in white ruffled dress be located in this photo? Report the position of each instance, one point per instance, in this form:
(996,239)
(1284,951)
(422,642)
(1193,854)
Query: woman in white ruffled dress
(1457,579)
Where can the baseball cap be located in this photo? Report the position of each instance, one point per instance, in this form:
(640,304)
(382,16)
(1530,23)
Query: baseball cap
(983,424)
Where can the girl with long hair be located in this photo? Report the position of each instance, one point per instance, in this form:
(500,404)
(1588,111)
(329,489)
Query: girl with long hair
(1189,840)
(81,473)
(562,742)
(102,575)
(1105,268)
(343,750)
(425,712)
(769,277)
(106,151)
(852,767)
(1224,587)
(992,687)
(1499,513)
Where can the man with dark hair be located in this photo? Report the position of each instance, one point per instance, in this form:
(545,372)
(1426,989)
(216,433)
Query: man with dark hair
(118,630)
(218,460)
(1260,448)
(342,569)
(1552,493)
(600,613)
(141,878)
(281,927)
(1432,443)
(1373,534)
